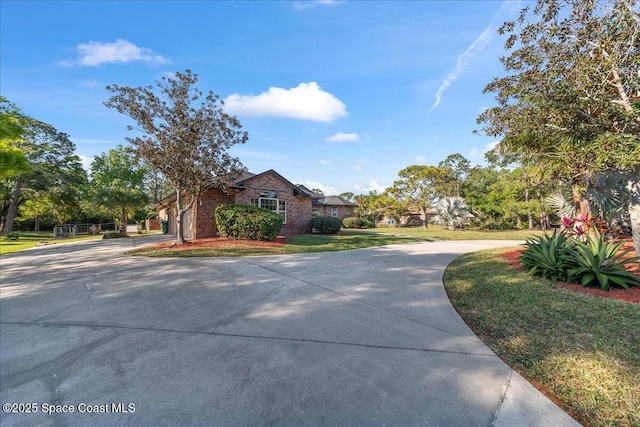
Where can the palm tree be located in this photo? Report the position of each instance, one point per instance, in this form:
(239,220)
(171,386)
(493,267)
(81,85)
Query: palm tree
(452,212)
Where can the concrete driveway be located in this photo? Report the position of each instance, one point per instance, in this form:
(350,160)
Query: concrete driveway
(363,337)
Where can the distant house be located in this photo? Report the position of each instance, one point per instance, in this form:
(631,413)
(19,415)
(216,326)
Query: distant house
(414,219)
(334,206)
(268,190)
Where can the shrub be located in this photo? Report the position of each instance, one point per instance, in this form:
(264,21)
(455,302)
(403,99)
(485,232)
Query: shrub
(247,222)
(12,236)
(545,256)
(112,235)
(600,263)
(355,222)
(591,263)
(326,225)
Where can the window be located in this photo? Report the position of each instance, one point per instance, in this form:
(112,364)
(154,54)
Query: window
(269,200)
(334,212)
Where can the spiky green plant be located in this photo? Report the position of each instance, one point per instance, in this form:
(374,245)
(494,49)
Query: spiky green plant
(546,256)
(600,263)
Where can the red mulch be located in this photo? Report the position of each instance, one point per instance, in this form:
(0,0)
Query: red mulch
(220,242)
(631,295)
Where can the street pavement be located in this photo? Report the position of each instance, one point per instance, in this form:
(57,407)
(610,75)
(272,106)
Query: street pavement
(363,337)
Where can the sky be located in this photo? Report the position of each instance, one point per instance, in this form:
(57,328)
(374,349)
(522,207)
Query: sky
(335,95)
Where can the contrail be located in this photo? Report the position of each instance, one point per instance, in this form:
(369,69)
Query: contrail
(477,46)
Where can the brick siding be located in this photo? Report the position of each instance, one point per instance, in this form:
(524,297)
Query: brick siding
(298,207)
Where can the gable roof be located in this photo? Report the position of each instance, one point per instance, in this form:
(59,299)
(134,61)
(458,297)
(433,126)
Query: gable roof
(333,201)
(241,183)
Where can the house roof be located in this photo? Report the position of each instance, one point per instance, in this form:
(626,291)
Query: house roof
(241,183)
(333,201)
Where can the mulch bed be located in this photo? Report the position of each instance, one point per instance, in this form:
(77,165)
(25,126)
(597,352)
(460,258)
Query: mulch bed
(220,242)
(632,295)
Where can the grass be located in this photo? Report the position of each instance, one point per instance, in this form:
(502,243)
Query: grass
(583,350)
(440,232)
(31,239)
(303,243)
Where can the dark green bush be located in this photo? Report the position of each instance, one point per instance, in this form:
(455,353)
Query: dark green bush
(12,236)
(112,235)
(594,263)
(600,263)
(545,256)
(326,225)
(355,222)
(247,222)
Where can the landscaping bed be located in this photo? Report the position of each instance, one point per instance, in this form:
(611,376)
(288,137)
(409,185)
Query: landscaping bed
(512,256)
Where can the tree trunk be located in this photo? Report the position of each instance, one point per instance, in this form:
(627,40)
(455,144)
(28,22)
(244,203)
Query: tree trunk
(580,201)
(36,226)
(518,222)
(634,211)
(179,218)
(13,207)
(425,219)
(529,213)
(123,222)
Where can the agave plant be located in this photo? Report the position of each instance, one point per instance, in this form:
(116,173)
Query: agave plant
(546,256)
(600,263)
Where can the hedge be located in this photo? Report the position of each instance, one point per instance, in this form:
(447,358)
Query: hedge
(326,224)
(247,222)
(355,222)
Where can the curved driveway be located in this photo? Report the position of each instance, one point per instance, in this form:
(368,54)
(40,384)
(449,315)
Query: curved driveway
(362,337)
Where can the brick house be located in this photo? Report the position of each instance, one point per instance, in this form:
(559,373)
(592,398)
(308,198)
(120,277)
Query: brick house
(334,206)
(268,189)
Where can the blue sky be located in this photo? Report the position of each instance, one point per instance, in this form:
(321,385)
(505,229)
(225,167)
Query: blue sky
(336,95)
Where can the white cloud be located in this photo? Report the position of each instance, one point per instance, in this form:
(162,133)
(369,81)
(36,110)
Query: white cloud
(90,83)
(86,162)
(357,167)
(371,186)
(94,54)
(464,59)
(323,162)
(308,4)
(477,153)
(421,159)
(327,190)
(343,137)
(307,101)
(252,154)
(490,146)
(78,141)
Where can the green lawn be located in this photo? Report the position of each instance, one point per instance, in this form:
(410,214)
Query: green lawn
(303,243)
(581,349)
(30,239)
(439,232)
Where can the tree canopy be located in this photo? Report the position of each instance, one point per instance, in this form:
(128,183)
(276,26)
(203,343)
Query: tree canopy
(571,96)
(117,183)
(182,133)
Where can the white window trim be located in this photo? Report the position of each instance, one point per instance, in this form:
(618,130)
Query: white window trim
(334,212)
(278,210)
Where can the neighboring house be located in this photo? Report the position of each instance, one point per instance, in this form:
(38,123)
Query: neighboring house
(334,206)
(269,190)
(414,219)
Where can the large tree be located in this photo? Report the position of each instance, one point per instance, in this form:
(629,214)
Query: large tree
(183,134)
(13,160)
(458,168)
(55,172)
(420,187)
(117,183)
(571,97)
